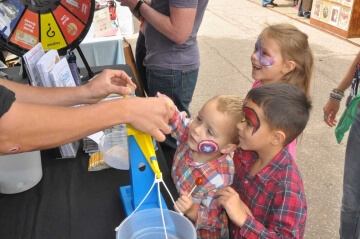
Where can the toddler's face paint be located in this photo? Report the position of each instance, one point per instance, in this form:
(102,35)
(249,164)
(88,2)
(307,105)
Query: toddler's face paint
(208,147)
(252,117)
(264,60)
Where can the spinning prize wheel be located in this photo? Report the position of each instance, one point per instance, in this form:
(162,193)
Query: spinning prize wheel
(57,24)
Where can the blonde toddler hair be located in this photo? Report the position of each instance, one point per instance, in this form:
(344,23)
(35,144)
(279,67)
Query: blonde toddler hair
(232,105)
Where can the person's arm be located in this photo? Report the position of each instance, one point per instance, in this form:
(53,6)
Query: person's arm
(177,27)
(332,106)
(107,82)
(288,209)
(187,206)
(29,126)
(236,209)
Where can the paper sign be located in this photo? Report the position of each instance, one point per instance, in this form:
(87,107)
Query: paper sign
(102,22)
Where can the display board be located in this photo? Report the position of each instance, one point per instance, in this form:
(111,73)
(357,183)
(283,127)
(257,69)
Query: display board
(341,17)
(57,24)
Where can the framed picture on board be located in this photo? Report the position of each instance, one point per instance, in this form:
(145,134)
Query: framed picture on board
(316,9)
(334,15)
(344,18)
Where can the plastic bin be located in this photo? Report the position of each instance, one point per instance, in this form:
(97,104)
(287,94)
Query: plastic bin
(20,172)
(115,150)
(147,224)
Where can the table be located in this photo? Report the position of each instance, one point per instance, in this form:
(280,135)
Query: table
(101,51)
(70,202)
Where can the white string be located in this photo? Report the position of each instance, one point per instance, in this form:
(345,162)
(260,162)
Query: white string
(172,199)
(161,209)
(156,181)
(147,194)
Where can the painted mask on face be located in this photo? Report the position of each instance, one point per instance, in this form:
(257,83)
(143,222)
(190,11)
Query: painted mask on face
(252,117)
(208,147)
(264,61)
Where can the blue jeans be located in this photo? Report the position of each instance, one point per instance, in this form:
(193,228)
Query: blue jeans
(178,85)
(350,208)
(140,52)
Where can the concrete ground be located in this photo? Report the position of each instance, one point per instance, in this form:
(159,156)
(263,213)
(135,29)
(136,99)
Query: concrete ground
(226,39)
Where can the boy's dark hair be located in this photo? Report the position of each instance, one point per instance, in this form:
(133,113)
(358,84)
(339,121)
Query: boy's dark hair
(285,106)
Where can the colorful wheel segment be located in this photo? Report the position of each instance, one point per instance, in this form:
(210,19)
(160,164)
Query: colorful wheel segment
(57,24)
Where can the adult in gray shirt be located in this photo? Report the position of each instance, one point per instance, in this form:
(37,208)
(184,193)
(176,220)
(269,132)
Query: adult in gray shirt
(172,55)
(172,59)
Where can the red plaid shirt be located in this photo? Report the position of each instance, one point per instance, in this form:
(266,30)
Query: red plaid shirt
(212,221)
(275,197)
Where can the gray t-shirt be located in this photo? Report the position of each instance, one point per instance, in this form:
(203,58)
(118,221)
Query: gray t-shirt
(163,53)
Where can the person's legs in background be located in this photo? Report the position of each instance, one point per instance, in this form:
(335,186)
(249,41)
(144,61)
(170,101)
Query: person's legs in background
(140,53)
(350,208)
(180,87)
(269,3)
(305,8)
(300,12)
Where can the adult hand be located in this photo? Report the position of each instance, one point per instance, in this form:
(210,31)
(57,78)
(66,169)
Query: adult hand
(330,110)
(235,208)
(109,82)
(150,115)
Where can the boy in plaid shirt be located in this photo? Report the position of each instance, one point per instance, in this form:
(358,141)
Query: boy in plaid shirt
(205,147)
(267,198)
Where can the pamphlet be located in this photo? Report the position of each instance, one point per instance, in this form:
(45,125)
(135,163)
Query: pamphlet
(60,74)
(48,70)
(31,58)
(45,64)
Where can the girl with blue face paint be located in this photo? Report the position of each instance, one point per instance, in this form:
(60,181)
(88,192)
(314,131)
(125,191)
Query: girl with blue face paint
(282,54)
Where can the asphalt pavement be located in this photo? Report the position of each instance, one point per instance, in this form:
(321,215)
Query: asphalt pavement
(226,40)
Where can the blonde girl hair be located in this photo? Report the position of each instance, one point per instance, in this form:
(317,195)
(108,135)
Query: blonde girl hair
(233,106)
(294,46)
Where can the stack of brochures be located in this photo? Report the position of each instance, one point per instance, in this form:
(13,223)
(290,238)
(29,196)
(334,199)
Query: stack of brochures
(49,70)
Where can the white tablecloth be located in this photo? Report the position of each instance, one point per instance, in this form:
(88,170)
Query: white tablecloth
(101,51)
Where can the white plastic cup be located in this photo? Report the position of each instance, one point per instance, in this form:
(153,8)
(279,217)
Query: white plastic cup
(20,172)
(147,224)
(115,150)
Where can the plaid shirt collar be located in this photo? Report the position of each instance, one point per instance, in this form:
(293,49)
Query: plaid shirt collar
(206,166)
(281,160)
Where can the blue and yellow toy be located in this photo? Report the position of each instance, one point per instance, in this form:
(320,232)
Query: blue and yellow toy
(145,174)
